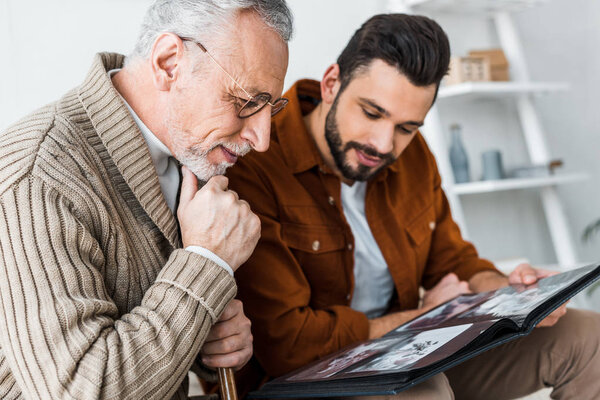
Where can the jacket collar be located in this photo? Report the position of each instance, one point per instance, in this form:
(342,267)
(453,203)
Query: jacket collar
(300,150)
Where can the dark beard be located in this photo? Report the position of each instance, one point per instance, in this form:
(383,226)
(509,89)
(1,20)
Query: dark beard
(339,150)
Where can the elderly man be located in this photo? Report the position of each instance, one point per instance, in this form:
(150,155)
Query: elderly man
(108,288)
(354,221)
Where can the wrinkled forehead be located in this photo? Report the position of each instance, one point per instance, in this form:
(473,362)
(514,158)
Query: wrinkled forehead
(255,54)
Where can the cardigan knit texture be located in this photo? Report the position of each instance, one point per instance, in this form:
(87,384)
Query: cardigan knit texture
(97,298)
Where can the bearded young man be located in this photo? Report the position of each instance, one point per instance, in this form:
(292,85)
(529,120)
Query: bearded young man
(108,288)
(354,221)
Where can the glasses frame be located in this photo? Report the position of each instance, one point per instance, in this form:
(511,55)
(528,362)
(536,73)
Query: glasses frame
(276,106)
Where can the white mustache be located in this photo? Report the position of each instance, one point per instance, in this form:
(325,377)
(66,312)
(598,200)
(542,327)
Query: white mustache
(239,149)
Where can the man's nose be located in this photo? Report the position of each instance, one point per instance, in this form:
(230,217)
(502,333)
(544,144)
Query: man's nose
(383,140)
(257,129)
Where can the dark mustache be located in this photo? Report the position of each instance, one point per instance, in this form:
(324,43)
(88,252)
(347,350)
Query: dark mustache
(388,157)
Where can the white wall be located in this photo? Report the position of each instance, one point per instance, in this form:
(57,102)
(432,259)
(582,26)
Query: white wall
(46,48)
(323,28)
(562,40)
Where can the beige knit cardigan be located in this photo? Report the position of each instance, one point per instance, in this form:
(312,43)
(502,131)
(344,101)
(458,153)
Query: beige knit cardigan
(97,298)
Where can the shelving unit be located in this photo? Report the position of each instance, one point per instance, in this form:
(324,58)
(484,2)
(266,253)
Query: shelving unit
(466,6)
(516,184)
(474,90)
(522,91)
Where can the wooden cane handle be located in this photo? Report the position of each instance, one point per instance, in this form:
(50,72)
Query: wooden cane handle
(227,384)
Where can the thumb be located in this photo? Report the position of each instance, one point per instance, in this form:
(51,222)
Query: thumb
(524,274)
(449,278)
(189,186)
(528,275)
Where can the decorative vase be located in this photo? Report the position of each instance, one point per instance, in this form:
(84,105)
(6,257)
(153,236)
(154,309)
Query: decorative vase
(458,156)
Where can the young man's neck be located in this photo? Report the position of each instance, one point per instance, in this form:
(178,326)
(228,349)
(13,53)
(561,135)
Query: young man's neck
(315,124)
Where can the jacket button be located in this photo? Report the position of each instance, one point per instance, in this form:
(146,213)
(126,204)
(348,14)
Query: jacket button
(316,245)
(350,246)
(348,296)
(432,225)
(331,200)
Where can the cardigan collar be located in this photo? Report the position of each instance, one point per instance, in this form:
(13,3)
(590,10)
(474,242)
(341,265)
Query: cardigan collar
(122,138)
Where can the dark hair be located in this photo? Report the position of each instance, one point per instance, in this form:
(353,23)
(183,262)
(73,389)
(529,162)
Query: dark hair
(416,45)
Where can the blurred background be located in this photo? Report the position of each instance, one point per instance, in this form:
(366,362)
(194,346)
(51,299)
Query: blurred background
(544,108)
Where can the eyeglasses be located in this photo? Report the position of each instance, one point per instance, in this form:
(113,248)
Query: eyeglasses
(254,103)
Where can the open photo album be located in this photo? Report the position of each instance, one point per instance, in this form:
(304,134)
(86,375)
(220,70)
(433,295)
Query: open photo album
(433,342)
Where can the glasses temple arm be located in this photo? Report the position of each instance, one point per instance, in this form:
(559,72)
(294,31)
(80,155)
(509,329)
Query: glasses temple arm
(223,69)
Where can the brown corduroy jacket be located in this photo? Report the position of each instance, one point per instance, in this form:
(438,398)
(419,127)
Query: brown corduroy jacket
(298,284)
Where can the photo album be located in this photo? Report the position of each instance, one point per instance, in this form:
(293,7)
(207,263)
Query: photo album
(442,338)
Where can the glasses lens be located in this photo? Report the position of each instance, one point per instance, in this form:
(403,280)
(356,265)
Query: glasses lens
(279,105)
(254,105)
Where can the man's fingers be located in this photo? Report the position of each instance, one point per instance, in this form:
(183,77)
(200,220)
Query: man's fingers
(231,310)
(560,311)
(449,278)
(219,181)
(235,326)
(228,345)
(528,274)
(234,360)
(523,274)
(553,318)
(189,186)
(544,273)
(222,330)
(464,287)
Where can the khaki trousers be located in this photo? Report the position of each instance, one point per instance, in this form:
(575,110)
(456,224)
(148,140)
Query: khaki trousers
(565,357)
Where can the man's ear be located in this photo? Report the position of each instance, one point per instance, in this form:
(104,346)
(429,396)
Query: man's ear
(165,58)
(330,84)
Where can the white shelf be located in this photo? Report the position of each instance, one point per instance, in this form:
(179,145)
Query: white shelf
(470,6)
(521,91)
(477,90)
(515,184)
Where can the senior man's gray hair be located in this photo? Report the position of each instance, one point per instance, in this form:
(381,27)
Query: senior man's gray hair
(202,19)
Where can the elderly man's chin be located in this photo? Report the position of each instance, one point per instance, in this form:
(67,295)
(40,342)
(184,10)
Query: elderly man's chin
(204,169)
(207,163)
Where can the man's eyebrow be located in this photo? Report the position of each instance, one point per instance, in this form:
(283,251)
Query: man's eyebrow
(386,112)
(252,90)
(375,106)
(418,124)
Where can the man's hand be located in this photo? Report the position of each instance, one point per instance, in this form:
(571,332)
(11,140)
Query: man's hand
(216,219)
(229,342)
(446,289)
(525,274)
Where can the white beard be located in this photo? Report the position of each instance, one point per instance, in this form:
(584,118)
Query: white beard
(196,159)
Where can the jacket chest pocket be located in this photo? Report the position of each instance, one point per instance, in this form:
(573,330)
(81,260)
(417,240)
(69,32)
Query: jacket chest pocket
(320,250)
(420,231)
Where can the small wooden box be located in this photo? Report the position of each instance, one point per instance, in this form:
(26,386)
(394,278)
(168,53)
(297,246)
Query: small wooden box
(498,63)
(468,69)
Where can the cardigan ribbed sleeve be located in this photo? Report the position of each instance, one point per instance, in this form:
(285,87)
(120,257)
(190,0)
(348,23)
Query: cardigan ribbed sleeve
(62,335)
